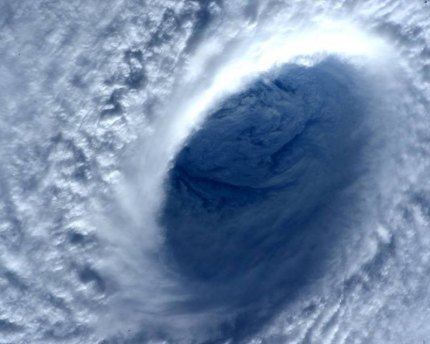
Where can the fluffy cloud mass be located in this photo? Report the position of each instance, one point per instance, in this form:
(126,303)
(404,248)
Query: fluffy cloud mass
(214,172)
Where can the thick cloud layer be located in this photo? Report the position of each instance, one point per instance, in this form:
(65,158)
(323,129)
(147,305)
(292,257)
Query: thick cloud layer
(214,172)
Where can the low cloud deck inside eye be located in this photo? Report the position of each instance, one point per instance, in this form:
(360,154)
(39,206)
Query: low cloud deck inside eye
(247,184)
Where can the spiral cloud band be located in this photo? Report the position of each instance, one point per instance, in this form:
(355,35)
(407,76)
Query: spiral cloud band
(209,171)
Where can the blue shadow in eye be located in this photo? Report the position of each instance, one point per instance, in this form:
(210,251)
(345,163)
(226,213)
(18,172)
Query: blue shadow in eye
(245,212)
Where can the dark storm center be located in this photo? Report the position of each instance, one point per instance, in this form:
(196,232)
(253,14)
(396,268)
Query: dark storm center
(250,180)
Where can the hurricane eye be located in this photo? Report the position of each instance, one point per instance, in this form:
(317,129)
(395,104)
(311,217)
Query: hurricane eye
(249,182)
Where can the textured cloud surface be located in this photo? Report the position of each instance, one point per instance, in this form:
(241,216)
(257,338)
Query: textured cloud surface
(214,171)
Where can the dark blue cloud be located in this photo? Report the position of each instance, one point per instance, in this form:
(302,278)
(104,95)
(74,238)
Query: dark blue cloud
(245,194)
